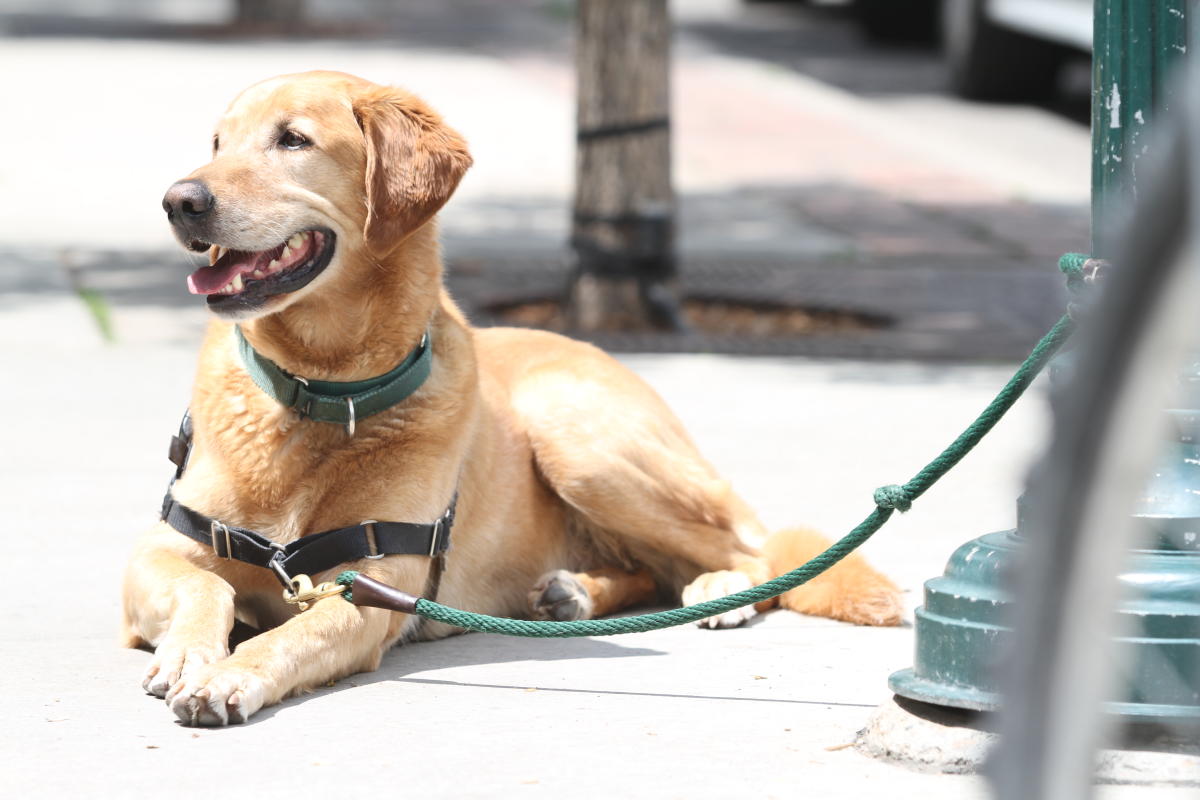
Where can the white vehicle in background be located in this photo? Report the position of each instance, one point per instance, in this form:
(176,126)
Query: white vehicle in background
(994,49)
(1011,49)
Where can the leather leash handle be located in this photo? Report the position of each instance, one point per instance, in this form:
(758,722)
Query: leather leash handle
(366,591)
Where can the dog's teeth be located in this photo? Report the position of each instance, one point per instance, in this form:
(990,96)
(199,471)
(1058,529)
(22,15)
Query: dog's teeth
(237,282)
(296,240)
(258,273)
(273,266)
(287,251)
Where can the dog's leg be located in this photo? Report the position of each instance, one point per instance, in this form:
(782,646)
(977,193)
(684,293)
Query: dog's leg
(627,466)
(562,595)
(612,450)
(330,640)
(184,612)
(851,591)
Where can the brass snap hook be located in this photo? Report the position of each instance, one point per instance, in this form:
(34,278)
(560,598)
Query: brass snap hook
(302,592)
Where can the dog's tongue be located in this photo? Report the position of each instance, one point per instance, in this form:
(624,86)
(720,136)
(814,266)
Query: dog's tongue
(212,279)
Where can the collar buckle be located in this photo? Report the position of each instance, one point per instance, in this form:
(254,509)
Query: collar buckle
(301,410)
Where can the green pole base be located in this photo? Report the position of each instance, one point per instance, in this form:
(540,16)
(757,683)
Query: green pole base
(961,630)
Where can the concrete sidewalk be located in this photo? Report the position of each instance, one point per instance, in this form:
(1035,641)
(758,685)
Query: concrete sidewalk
(761,711)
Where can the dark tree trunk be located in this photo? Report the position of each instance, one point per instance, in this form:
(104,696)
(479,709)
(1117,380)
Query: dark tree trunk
(623,228)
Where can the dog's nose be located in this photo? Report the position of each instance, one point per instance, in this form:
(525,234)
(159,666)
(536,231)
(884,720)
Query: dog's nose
(187,200)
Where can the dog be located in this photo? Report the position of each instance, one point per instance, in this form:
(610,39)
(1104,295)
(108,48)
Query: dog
(572,490)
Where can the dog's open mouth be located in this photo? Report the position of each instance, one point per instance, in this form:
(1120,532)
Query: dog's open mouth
(244,279)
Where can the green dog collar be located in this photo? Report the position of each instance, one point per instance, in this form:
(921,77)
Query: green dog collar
(340,403)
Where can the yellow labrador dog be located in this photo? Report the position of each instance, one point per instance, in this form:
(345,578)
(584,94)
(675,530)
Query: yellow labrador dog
(570,488)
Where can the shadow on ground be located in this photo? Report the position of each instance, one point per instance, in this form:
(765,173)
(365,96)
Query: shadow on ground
(401,664)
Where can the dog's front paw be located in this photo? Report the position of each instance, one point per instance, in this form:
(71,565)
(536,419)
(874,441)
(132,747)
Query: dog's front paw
(217,695)
(173,663)
(712,585)
(560,596)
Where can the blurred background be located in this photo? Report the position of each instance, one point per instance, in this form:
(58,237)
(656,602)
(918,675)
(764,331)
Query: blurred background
(844,178)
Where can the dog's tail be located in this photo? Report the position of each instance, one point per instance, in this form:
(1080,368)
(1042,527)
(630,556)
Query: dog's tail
(851,590)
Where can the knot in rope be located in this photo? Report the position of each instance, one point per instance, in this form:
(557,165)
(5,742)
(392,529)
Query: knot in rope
(893,496)
(1082,270)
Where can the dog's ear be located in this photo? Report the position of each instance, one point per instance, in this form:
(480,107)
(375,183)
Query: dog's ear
(414,163)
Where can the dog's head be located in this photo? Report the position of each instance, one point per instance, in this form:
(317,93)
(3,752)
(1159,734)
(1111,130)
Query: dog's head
(309,173)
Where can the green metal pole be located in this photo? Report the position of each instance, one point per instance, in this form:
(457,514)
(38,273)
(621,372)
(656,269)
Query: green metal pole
(1138,44)
(1135,45)
(962,624)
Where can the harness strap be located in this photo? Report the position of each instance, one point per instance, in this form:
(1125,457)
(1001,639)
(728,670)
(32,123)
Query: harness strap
(316,552)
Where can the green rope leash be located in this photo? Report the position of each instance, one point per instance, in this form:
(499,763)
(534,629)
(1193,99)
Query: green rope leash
(887,500)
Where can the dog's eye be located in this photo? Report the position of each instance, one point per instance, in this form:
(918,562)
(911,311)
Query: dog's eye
(292,140)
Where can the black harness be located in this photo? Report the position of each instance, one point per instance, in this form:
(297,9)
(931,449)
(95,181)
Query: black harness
(316,552)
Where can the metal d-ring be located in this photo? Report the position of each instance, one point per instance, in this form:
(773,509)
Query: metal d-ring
(350,408)
(276,565)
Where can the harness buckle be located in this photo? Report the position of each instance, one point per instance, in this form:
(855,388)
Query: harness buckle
(217,526)
(442,526)
(438,527)
(369,524)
